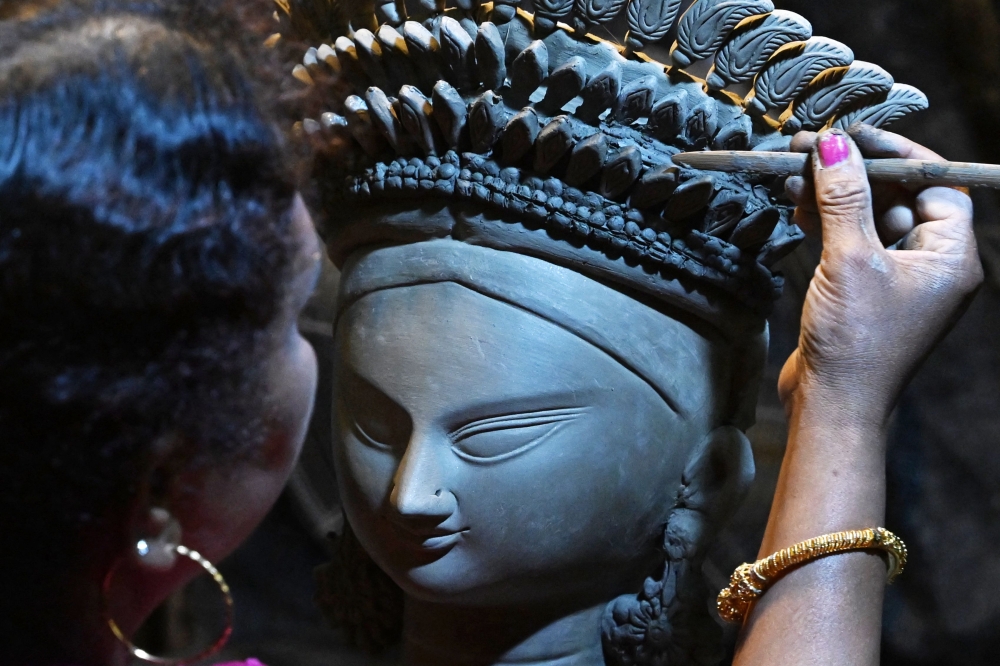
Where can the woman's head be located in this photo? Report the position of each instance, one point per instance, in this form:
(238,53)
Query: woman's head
(512,432)
(153,259)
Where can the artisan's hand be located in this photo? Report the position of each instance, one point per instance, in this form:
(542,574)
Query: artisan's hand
(873,314)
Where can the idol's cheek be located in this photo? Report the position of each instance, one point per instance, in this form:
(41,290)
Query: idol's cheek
(365,474)
(364,477)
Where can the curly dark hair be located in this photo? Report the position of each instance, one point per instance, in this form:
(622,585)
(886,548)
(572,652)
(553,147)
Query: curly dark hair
(145,251)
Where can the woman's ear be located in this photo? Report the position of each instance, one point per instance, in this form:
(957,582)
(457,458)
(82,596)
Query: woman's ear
(715,482)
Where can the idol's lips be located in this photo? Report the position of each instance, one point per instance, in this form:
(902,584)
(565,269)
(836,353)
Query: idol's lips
(443,541)
(431,539)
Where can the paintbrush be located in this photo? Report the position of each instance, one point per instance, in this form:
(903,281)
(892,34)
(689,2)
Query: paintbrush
(908,172)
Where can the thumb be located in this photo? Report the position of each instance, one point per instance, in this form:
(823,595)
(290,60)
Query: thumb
(843,195)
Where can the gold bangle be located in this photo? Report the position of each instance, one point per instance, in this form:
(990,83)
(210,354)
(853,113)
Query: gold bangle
(750,581)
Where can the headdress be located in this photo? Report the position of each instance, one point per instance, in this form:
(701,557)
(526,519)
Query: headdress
(539,118)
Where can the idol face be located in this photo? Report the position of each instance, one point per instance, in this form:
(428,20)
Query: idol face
(487,456)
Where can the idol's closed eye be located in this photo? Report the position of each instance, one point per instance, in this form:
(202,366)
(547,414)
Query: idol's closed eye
(374,418)
(500,438)
(485,441)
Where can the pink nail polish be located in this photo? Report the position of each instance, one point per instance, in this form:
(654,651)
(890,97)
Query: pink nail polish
(834,149)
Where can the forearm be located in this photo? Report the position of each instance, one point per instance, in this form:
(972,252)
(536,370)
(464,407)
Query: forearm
(832,479)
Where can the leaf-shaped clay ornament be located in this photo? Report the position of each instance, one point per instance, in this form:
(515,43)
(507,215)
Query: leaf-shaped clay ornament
(781,243)
(748,50)
(655,187)
(587,159)
(755,229)
(596,12)
(689,198)
(396,57)
(423,48)
(706,25)
(450,112)
(385,120)
(552,143)
(636,99)
(415,115)
(490,57)
(485,121)
(901,101)
(359,124)
(458,54)
(668,115)
(392,12)
(600,93)
(833,91)
(735,135)
(554,9)
(650,20)
(701,124)
(529,68)
(369,52)
(620,172)
(724,212)
(519,135)
(564,84)
(791,69)
(326,54)
(347,55)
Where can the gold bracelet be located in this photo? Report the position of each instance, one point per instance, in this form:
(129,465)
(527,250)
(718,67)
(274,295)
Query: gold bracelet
(750,581)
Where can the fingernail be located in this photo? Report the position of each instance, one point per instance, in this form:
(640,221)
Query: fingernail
(834,149)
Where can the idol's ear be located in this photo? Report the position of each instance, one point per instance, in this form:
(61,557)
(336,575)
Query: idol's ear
(672,601)
(715,482)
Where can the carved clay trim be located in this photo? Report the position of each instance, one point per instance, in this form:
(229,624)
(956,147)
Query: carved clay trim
(588,218)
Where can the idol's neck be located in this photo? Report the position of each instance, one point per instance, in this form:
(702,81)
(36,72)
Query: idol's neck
(441,635)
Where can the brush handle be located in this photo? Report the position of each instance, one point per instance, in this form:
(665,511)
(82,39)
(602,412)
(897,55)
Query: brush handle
(908,172)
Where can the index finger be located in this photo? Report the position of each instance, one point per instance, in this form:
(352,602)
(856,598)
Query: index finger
(874,142)
(803,142)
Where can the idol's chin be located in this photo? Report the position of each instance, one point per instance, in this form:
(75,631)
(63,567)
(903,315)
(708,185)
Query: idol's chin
(458,580)
(450,579)
(454,580)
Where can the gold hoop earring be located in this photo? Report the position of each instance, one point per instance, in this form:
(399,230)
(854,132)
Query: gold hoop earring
(141,654)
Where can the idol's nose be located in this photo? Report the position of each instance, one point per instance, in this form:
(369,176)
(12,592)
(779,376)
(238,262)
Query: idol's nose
(420,495)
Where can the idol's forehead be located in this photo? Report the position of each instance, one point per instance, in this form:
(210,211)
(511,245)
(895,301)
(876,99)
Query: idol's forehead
(509,319)
(445,348)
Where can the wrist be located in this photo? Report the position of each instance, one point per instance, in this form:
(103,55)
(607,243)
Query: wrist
(838,432)
(845,406)
(833,473)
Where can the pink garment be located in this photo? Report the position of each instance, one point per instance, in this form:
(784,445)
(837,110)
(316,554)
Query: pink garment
(248,662)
